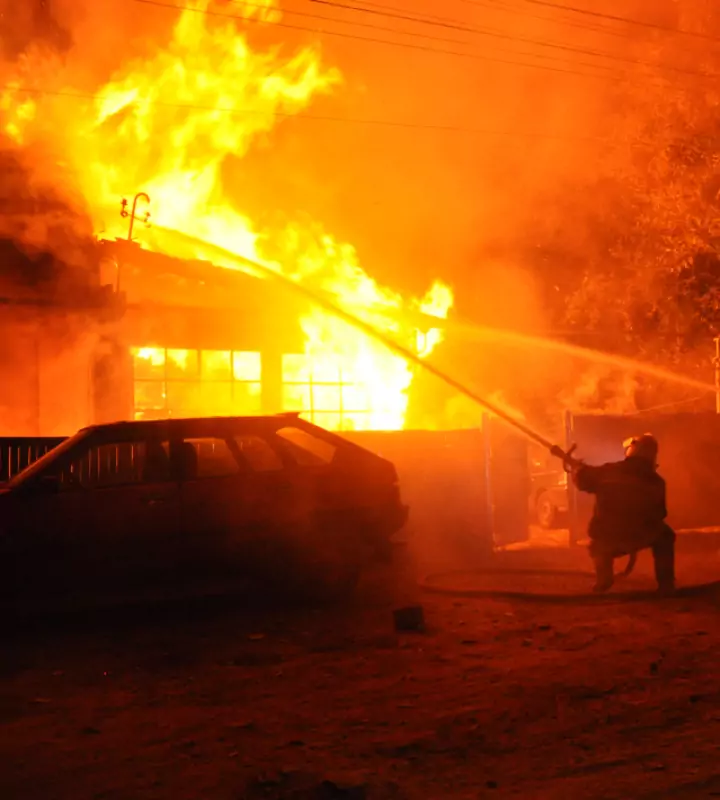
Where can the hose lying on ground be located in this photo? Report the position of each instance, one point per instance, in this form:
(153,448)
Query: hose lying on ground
(429,583)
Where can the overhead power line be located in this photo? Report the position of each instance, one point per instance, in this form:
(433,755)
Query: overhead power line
(595,28)
(374,40)
(328,118)
(408,45)
(428,36)
(511,37)
(627,20)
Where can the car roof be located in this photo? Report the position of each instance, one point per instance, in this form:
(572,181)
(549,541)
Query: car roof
(166,426)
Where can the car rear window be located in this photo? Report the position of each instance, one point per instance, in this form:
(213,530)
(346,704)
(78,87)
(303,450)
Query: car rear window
(258,453)
(306,449)
(118,464)
(215,459)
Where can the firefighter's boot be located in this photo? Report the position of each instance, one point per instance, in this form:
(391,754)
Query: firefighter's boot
(604,577)
(664,561)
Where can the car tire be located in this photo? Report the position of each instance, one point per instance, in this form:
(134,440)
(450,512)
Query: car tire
(547,513)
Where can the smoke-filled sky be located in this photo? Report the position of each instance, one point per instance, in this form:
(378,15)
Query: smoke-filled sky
(460,130)
(418,201)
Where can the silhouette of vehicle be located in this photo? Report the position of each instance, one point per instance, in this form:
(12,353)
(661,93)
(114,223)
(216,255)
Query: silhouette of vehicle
(548,492)
(182,502)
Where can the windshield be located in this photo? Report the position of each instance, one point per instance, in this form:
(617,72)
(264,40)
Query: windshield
(52,455)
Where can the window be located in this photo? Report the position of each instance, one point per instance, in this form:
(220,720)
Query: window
(213,458)
(196,383)
(306,449)
(326,392)
(258,453)
(119,465)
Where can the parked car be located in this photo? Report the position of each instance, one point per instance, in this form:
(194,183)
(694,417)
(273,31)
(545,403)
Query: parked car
(551,505)
(173,502)
(548,492)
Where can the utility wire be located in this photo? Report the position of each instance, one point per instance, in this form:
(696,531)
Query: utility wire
(325,118)
(478,31)
(407,45)
(385,28)
(354,23)
(627,20)
(555,20)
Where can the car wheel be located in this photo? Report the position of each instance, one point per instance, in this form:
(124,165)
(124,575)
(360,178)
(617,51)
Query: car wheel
(546,512)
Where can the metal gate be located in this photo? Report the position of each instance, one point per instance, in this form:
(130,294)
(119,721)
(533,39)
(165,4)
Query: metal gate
(507,482)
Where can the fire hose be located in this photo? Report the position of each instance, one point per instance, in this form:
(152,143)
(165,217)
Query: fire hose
(408,355)
(569,462)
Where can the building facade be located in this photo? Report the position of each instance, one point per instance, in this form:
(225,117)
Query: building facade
(152,337)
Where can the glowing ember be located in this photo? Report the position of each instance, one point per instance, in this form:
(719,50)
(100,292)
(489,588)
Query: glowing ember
(167,127)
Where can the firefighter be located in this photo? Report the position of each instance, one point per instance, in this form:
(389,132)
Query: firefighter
(630,512)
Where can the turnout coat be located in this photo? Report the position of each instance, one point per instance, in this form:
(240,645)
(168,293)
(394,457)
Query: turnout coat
(630,505)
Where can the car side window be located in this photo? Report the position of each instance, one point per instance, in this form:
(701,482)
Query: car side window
(258,454)
(213,458)
(118,464)
(306,450)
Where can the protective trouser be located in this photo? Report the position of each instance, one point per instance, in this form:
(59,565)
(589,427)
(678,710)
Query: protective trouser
(663,551)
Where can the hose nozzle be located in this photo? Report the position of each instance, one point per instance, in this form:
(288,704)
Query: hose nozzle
(566,457)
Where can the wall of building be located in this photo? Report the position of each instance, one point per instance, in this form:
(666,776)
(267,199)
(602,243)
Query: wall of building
(45,358)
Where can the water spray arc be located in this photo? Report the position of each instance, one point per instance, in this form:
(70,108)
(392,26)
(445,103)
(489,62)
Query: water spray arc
(223,255)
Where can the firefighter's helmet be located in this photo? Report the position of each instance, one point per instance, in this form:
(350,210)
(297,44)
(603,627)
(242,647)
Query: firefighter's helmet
(645,446)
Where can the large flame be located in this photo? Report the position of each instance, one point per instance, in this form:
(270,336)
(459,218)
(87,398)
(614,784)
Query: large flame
(167,126)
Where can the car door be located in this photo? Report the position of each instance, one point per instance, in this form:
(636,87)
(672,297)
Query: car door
(212,500)
(110,521)
(240,496)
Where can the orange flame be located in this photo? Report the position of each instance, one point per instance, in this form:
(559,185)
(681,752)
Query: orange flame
(166,127)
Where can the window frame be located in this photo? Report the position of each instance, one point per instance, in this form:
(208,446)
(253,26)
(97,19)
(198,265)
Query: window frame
(197,379)
(221,436)
(311,383)
(278,452)
(286,445)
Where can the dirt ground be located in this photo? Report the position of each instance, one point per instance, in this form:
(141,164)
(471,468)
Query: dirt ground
(496,699)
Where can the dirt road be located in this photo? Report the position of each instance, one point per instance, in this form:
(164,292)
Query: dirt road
(495,700)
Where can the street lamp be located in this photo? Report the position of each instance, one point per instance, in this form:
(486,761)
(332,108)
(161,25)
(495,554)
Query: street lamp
(145,218)
(132,214)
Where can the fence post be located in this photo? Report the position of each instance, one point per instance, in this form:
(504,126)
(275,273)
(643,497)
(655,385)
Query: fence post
(488,450)
(573,522)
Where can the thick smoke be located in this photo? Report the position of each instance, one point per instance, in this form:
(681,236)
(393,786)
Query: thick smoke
(501,172)
(31,24)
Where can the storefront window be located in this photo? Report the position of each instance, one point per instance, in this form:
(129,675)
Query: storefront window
(196,383)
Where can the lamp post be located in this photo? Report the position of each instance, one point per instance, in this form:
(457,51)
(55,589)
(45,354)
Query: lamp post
(132,214)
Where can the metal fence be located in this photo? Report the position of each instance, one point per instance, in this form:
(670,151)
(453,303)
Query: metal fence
(16,453)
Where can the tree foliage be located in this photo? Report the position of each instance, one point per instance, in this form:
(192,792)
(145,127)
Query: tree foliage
(635,247)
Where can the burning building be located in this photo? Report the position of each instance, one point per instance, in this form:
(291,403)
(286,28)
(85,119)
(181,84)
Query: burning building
(186,338)
(176,323)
